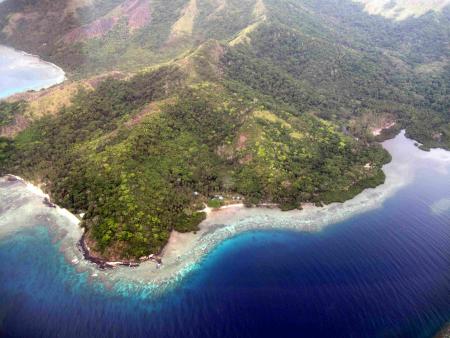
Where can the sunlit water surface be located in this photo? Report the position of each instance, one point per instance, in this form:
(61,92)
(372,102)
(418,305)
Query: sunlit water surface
(20,72)
(383,273)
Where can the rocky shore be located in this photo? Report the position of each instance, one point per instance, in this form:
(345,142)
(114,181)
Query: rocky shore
(105,264)
(184,250)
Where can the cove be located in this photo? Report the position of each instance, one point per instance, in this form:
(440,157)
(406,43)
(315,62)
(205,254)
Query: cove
(20,72)
(380,273)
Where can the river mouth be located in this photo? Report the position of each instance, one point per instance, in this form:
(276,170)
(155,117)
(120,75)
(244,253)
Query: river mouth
(21,72)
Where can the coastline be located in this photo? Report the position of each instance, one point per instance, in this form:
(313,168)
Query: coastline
(143,286)
(33,61)
(184,251)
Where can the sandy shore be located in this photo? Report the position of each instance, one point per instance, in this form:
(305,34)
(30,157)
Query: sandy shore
(22,60)
(185,250)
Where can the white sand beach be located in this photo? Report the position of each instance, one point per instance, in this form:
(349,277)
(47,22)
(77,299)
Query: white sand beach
(185,250)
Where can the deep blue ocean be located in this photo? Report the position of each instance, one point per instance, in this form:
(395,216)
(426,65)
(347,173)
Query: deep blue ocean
(384,273)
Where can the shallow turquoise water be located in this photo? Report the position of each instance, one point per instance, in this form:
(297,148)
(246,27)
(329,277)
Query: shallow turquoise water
(384,273)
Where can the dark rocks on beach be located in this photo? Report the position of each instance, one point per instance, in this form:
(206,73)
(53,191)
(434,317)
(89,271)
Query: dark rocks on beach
(155,258)
(101,263)
(47,202)
(11,178)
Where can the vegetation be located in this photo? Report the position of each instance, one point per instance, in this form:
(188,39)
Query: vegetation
(161,37)
(136,182)
(215,203)
(284,113)
(340,84)
(8,111)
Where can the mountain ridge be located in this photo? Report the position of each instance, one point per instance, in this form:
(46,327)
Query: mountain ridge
(212,100)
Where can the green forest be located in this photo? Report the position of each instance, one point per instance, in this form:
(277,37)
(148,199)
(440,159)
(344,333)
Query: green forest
(137,182)
(272,104)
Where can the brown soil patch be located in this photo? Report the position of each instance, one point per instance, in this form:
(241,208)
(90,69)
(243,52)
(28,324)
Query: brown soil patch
(241,141)
(137,12)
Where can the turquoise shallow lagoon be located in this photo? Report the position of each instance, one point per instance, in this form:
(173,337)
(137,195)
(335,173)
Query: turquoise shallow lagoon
(381,273)
(384,272)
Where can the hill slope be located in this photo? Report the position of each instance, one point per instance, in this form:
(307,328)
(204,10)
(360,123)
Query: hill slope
(261,100)
(141,156)
(93,36)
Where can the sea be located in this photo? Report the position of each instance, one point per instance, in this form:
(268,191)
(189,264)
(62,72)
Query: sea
(20,72)
(381,273)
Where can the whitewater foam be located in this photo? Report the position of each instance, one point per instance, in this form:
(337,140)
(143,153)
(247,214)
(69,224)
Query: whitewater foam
(184,251)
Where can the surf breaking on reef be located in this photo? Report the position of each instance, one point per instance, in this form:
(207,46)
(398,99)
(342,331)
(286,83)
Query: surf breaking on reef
(22,207)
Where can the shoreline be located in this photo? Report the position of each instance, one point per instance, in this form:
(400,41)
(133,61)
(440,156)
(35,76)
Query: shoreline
(81,244)
(179,244)
(184,251)
(213,215)
(102,263)
(36,60)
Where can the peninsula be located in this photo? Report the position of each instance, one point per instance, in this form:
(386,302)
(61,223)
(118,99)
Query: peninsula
(169,107)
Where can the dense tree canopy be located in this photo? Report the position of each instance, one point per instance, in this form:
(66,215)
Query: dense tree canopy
(267,101)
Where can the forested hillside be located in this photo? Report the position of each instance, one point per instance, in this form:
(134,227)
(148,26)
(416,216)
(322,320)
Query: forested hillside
(180,102)
(140,157)
(86,37)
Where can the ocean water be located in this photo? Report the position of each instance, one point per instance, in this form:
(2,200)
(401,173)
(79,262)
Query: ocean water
(20,72)
(383,273)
